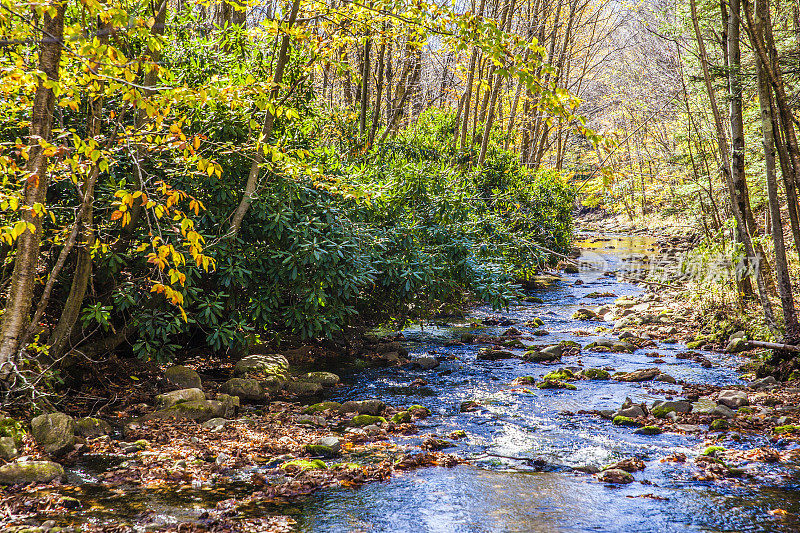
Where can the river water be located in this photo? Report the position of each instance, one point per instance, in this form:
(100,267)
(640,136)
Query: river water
(545,493)
(496,494)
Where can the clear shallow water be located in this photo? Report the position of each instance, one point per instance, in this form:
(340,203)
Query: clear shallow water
(493,494)
(496,494)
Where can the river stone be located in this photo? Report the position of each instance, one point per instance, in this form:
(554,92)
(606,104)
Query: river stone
(615,475)
(645,374)
(330,445)
(168,399)
(8,448)
(215,424)
(633,411)
(555,351)
(665,406)
(30,472)
(55,432)
(733,398)
(585,314)
(182,377)
(302,388)
(266,364)
(326,379)
(224,406)
(363,407)
(666,378)
(738,335)
(426,363)
(491,354)
(768,382)
(736,345)
(92,427)
(245,388)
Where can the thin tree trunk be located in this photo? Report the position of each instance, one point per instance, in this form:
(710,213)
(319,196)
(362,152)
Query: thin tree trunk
(20,296)
(365,74)
(266,129)
(376,113)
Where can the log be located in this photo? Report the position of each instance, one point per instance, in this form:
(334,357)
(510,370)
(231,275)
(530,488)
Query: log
(774,346)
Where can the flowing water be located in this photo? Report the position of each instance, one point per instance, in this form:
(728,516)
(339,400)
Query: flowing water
(544,492)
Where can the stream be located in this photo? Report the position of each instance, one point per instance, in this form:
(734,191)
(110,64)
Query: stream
(545,493)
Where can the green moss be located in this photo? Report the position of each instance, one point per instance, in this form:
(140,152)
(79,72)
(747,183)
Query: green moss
(347,466)
(694,345)
(595,373)
(321,406)
(12,428)
(534,323)
(458,434)
(403,417)
(366,420)
(745,411)
(555,384)
(620,420)
(562,374)
(320,449)
(784,430)
(661,411)
(719,424)
(305,464)
(712,451)
(650,430)
(420,411)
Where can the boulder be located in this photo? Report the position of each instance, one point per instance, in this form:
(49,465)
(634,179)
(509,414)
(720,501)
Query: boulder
(322,406)
(595,373)
(661,408)
(615,475)
(168,399)
(491,354)
(245,388)
(182,377)
(366,420)
(327,447)
(224,406)
(30,472)
(55,432)
(666,378)
(302,388)
(215,424)
(92,427)
(634,411)
(733,398)
(768,382)
(363,407)
(736,345)
(262,364)
(8,448)
(645,374)
(425,363)
(585,314)
(326,379)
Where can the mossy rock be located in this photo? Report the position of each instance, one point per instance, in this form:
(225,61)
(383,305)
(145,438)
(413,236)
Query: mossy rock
(785,430)
(533,300)
(182,377)
(320,449)
(262,364)
(719,424)
(620,420)
(30,472)
(92,427)
(458,434)
(534,323)
(321,406)
(326,379)
(694,345)
(661,411)
(555,384)
(595,374)
(712,451)
(55,432)
(524,380)
(419,411)
(562,374)
(649,430)
(366,420)
(403,417)
(347,466)
(304,464)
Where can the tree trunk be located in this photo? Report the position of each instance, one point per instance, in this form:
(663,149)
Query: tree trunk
(365,74)
(376,113)
(266,129)
(23,277)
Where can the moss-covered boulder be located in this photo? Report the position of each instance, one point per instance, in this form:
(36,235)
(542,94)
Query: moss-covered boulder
(595,374)
(182,377)
(585,314)
(363,407)
(326,379)
(645,374)
(620,420)
(92,427)
(168,399)
(786,430)
(54,432)
(224,406)
(322,406)
(616,476)
(303,389)
(262,365)
(403,417)
(534,323)
(30,472)
(246,389)
(524,380)
(649,430)
(555,384)
(419,411)
(304,464)
(493,354)
(562,374)
(366,420)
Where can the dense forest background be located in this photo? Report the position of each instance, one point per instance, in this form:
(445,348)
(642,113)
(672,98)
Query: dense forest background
(218,175)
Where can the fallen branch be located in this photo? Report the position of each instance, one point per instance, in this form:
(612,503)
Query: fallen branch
(774,346)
